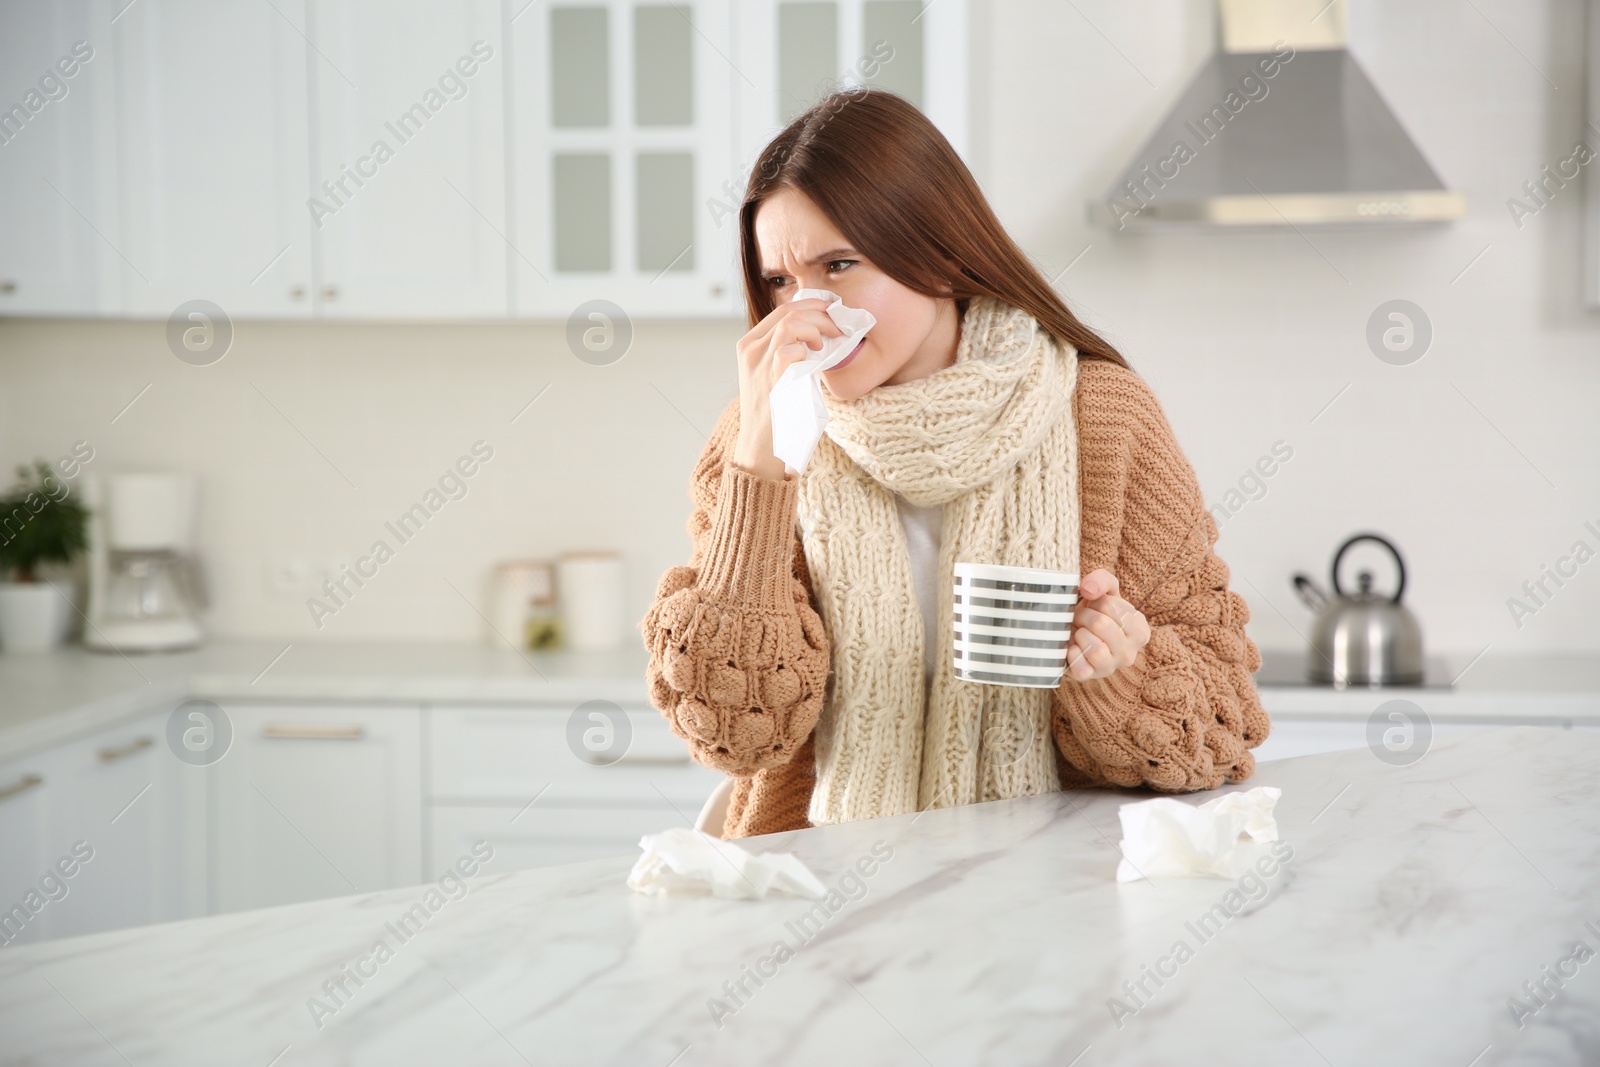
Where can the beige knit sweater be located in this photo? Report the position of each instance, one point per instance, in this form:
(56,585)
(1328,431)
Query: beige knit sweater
(739,658)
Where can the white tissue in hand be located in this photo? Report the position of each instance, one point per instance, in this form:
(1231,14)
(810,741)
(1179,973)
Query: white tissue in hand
(1166,838)
(798,413)
(681,860)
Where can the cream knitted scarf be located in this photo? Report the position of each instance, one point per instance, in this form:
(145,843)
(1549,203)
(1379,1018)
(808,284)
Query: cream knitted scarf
(991,438)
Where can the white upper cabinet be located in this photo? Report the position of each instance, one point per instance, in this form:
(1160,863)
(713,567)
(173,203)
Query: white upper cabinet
(389,159)
(55,79)
(622,133)
(408,158)
(211,132)
(797,51)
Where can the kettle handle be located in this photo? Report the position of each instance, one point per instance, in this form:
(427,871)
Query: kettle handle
(1399,563)
(1309,592)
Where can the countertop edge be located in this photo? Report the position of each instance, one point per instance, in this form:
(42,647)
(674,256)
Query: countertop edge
(85,720)
(475,678)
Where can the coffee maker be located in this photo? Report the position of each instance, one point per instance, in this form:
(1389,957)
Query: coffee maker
(144,590)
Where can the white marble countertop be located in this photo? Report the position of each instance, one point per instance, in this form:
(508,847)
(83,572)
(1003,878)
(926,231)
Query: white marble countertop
(1411,904)
(48,699)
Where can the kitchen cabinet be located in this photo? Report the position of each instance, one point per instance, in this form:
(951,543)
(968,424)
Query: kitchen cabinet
(256,180)
(523,779)
(27,789)
(212,158)
(408,158)
(119,813)
(142,812)
(363,159)
(509,755)
(793,53)
(622,140)
(637,125)
(315,801)
(55,233)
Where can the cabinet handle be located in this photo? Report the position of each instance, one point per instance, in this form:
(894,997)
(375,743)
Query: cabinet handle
(8,287)
(297,292)
(313,731)
(112,755)
(22,785)
(330,292)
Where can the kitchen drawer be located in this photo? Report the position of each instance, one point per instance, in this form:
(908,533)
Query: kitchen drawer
(511,755)
(540,836)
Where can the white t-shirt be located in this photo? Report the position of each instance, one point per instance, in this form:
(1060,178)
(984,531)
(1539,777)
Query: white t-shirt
(922,544)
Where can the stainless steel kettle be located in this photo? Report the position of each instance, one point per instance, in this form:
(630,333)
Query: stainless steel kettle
(1364,638)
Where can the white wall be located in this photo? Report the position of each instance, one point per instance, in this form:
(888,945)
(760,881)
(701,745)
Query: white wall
(1246,339)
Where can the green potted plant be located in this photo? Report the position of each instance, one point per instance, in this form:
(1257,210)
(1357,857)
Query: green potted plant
(38,524)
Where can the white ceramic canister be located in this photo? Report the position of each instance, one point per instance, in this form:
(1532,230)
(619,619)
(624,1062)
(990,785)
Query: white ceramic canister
(589,586)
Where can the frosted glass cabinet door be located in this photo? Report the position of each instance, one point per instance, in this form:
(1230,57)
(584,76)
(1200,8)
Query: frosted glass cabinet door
(797,51)
(212,170)
(622,134)
(51,257)
(408,158)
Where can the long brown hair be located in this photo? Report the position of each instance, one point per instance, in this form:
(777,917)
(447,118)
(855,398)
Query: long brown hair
(890,182)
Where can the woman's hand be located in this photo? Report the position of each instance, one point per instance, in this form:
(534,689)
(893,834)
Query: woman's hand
(1107,631)
(784,337)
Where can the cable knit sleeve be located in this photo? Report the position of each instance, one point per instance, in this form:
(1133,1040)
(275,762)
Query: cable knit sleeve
(1184,715)
(738,655)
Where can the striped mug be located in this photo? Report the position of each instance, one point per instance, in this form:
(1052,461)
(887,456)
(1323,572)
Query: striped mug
(1012,624)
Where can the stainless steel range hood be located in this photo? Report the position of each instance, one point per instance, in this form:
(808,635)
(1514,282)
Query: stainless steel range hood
(1281,127)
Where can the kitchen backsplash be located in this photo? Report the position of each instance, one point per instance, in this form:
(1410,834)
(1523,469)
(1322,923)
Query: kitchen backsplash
(1478,460)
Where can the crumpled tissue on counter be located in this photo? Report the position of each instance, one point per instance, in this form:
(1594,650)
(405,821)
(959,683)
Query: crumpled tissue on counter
(1166,838)
(684,861)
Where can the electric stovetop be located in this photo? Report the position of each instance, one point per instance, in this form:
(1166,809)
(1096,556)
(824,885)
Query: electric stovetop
(1288,670)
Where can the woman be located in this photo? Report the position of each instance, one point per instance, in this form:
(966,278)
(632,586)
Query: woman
(806,650)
